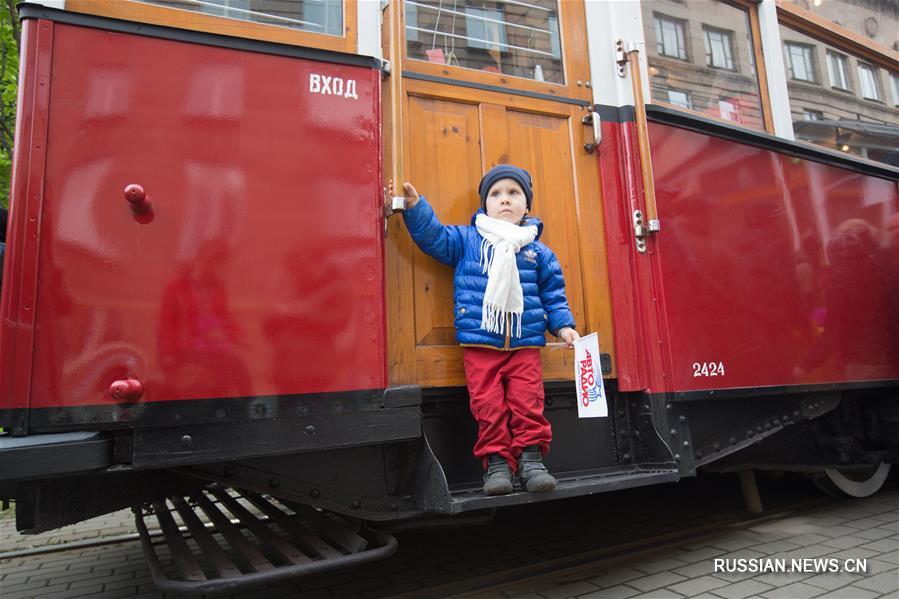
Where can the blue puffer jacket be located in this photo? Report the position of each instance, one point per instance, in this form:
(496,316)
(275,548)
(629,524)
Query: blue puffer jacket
(545,304)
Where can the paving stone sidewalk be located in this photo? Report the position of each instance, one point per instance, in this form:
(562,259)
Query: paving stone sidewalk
(866,529)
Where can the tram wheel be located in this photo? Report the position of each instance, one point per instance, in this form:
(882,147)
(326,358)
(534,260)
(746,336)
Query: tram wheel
(853,483)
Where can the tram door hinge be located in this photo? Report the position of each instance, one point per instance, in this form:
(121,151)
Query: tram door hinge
(643,229)
(620,57)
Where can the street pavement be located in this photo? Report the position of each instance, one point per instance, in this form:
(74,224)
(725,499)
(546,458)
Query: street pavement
(527,539)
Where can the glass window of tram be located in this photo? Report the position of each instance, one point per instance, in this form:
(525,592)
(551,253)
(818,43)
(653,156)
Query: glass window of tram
(315,16)
(519,38)
(855,114)
(703,59)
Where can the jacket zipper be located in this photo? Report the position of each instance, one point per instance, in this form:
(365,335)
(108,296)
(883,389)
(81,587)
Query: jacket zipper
(508,334)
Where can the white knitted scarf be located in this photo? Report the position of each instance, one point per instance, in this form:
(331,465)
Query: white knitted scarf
(503,298)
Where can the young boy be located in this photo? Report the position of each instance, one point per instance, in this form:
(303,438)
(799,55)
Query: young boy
(508,288)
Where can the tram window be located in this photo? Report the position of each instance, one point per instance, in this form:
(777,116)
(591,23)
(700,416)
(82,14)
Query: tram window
(315,16)
(724,84)
(513,37)
(847,119)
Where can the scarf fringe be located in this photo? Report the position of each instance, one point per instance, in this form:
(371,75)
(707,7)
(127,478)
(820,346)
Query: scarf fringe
(494,319)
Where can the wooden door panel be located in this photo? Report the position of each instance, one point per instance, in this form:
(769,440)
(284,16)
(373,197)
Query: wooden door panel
(542,144)
(450,144)
(453,132)
(444,164)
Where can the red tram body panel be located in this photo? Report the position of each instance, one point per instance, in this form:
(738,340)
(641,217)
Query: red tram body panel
(771,270)
(774,270)
(194,293)
(257,269)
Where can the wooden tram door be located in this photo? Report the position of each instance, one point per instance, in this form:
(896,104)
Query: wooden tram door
(456,123)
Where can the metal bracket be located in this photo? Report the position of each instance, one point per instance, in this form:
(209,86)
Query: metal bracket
(391,207)
(640,231)
(592,118)
(620,57)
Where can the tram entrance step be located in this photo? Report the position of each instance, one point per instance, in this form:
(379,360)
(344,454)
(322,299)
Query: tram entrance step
(464,499)
(222,538)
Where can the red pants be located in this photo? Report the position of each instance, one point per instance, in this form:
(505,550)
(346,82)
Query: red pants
(506,391)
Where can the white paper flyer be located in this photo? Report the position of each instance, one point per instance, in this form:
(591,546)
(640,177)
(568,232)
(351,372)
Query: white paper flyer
(591,394)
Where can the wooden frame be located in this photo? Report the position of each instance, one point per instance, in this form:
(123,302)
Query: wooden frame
(570,13)
(130,10)
(835,35)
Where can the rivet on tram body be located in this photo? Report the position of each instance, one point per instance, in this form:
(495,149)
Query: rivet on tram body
(698,454)
(187,441)
(356,504)
(310,430)
(314,493)
(274,483)
(682,418)
(686,444)
(668,406)
(626,457)
(677,457)
(733,440)
(580,83)
(394,507)
(673,432)
(716,446)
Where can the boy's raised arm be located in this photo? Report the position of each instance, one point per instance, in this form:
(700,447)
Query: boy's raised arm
(442,242)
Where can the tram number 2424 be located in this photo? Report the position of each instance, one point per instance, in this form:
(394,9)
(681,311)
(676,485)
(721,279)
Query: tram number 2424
(708,369)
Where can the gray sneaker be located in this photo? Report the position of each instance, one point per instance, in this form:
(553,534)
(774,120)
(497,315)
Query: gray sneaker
(498,478)
(533,474)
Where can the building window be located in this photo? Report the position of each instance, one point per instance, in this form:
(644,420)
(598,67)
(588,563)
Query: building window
(800,60)
(670,37)
(867,79)
(719,48)
(838,69)
(679,98)
(894,83)
(812,115)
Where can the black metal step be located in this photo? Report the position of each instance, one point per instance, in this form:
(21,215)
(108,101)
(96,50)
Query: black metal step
(270,541)
(464,499)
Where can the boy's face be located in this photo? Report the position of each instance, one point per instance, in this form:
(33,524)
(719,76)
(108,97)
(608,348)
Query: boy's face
(506,201)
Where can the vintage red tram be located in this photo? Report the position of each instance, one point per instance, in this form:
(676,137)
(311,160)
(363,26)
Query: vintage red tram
(201,285)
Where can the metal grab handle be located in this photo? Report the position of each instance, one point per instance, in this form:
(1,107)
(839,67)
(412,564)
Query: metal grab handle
(592,118)
(397,204)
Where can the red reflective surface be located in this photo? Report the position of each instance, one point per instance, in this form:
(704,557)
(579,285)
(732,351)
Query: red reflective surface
(776,270)
(252,264)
